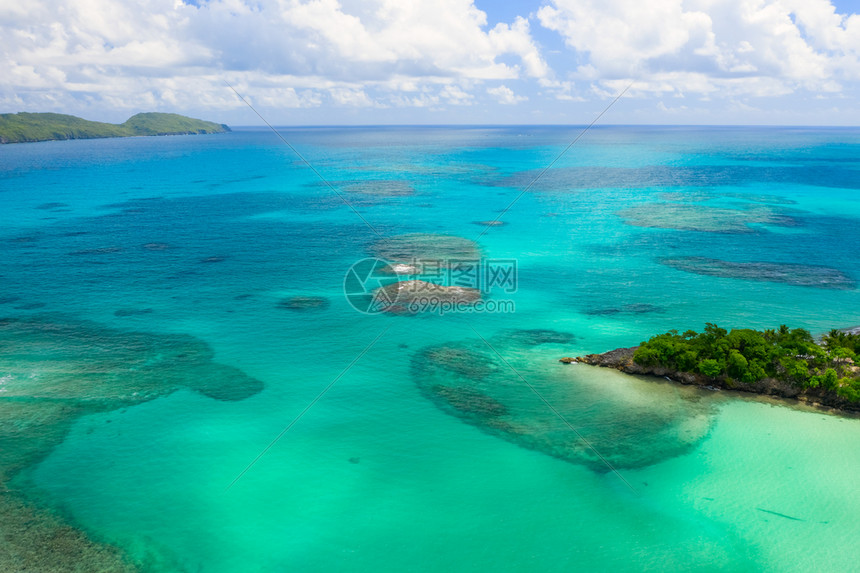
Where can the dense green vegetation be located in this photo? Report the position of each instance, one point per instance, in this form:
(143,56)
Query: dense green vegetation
(745,357)
(27,127)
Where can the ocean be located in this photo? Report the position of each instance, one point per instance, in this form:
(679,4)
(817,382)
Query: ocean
(187,374)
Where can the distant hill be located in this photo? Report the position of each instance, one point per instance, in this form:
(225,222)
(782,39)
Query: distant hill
(28,127)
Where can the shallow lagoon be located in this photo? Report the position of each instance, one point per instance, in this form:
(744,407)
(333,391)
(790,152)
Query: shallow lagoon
(380,474)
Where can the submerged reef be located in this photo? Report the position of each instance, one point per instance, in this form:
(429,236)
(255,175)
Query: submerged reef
(35,540)
(567,179)
(54,370)
(634,308)
(697,217)
(412,296)
(786,273)
(700,194)
(124,312)
(407,292)
(97,251)
(378,187)
(304,303)
(51,206)
(425,255)
(425,247)
(156,246)
(536,336)
(629,422)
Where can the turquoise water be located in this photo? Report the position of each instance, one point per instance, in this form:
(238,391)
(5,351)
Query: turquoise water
(206,236)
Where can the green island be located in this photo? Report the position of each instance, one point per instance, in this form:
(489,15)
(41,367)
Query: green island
(782,362)
(31,127)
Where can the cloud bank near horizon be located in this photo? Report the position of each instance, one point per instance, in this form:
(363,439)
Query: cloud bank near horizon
(378,59)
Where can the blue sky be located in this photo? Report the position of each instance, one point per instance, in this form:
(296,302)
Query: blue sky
(312,62)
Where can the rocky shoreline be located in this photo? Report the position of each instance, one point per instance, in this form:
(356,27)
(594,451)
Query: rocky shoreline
(622,359)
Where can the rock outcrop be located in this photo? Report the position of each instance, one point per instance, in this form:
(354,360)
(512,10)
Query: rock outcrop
(420,296)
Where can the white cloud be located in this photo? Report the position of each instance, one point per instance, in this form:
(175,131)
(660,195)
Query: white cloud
(351,97)
(506,95)
(348,52)
(455,96)
(516,39)
(742,47)
(561,90)
(623,35)
(88,56)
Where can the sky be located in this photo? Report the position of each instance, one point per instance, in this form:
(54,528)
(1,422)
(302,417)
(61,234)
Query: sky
(369,62)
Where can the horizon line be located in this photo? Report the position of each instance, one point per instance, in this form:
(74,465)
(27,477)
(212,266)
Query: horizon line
(604,125)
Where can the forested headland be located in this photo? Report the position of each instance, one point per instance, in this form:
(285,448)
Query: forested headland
(783,362)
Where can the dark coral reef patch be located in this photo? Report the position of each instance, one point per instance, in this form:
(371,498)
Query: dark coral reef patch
(786,273)
(537,336)
(620,421)
(425,247)
(706,218)
(54,370)
(304,303)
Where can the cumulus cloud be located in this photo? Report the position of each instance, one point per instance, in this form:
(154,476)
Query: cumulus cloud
(748,47)
(87,56)
(300,52)
(506,95)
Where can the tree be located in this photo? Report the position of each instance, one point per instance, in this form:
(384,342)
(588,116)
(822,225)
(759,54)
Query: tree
(830,379)
(710,367)
(795,370)
(748,355)
(842,355)
(755,371)
(849,389)
(736,365)
(687,361)
(646,355)
(839,339)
